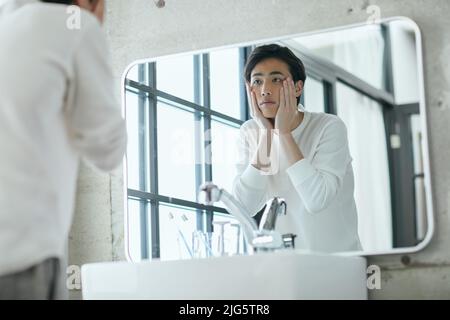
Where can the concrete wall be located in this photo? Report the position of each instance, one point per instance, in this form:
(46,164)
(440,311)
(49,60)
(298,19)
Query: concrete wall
(137,29)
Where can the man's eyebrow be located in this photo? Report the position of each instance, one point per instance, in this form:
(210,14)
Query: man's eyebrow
(259,74)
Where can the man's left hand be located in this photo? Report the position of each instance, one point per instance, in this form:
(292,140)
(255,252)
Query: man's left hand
(287,110)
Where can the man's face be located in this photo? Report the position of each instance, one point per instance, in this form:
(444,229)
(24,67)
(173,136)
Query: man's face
(266,80)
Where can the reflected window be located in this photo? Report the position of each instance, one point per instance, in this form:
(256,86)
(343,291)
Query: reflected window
(223,153)
(175,75)
(404,62)
(176,152)
(419,183)
(358,50)
(136,228)
(314,95)
(176,229)
(225,82)
(134,140)
(183,117)
(133,73)
(366,132)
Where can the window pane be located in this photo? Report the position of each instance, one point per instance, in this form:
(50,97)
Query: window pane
(314,95)
(175,75)
(419,183)
(416,138)
(224,156)
(404,62)
(176,156)
(363,118)
(135,145)
(358,50)
(225,81)
(136,218)
(133,73)
(227,238)
(176,226)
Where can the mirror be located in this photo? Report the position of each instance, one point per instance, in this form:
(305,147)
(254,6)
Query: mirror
(184,113)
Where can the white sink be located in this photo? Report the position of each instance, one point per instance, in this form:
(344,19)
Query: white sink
(264,276)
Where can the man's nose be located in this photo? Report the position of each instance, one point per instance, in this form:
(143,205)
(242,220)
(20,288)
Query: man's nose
(266,91)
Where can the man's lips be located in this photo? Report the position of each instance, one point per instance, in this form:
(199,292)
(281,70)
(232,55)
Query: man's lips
(266,103)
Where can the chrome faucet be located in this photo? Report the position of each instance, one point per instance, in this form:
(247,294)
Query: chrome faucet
(262,238)
(210,193)
(274,207)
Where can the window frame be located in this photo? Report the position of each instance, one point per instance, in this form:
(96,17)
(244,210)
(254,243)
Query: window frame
(203,113)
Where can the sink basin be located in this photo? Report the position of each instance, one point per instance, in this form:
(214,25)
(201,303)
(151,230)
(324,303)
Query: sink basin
(278,275)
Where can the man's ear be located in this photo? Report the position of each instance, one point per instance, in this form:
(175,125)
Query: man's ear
(95,6)
(98,8)
(298,88)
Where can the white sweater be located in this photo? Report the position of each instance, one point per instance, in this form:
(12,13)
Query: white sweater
(318,189)
(56,106)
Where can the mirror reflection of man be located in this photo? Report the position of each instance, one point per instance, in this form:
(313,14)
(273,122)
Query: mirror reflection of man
(298,155)
(57,105)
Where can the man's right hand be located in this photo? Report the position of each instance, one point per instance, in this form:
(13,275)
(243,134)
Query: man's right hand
(261,158)
(255,112)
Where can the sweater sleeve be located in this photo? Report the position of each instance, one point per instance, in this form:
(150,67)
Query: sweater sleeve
(249,184)
(317,179)
(95,122)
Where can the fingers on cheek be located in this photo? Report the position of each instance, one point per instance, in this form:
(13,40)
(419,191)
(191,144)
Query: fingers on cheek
(287,88)
(254,100)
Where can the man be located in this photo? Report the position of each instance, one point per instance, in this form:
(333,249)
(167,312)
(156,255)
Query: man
(300,156)
(56,105)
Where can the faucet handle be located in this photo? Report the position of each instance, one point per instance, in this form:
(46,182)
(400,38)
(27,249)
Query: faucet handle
(208,193)
(289,240)
(267,240)
(281,210)
(274,207)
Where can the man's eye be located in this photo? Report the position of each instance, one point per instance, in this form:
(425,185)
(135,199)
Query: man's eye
(257,82)
(277,80)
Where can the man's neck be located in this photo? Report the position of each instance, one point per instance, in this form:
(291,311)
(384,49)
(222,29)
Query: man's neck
(299,118)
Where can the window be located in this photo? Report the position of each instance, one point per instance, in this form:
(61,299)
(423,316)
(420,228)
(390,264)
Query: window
(364,120)
(183,117)
(225,82)
(314,96)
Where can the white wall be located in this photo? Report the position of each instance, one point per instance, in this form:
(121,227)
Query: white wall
(137,29)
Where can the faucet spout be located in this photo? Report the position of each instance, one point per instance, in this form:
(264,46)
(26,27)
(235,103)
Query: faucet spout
(210,193)
(260,239)
(274,207)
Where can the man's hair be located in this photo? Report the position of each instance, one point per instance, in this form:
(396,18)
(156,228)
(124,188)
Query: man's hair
(59,1)
(296,67)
